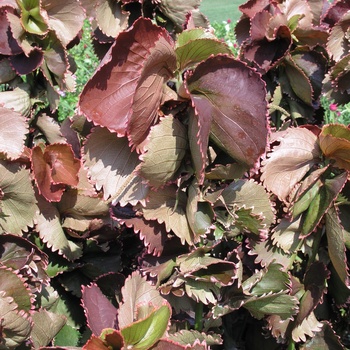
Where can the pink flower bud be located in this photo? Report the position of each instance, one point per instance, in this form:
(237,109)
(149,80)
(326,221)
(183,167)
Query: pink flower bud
(228,21)
(333,107)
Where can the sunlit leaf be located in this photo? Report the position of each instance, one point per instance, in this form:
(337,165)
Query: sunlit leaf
(137,292)
(219,88)
(17,202)
(111,166)
(33,17)
(334,141)
(141,335)
(288,162)
(166,147)
(189,337)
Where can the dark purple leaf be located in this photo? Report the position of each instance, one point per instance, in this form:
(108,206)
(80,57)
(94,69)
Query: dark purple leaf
(230,96)
(99,311)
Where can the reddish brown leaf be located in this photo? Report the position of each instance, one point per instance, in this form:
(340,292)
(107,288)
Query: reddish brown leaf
(108,97)
(230,96)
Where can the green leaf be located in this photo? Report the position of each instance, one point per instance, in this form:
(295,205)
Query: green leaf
(336,245)
(165,150)
(17,200)
(141,335)
(306,199)
(15,326)
(274,280)
(194,47)
(280,304)
(33,17)
(321,202)
(67,336)
(45,326)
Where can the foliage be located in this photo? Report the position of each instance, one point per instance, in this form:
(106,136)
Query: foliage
(195,199)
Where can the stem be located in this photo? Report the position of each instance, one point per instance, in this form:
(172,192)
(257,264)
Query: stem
(291,345)
(198,321)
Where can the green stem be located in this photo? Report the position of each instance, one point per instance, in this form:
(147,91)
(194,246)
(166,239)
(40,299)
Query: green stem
(198,321)
(291,345)
(315,246)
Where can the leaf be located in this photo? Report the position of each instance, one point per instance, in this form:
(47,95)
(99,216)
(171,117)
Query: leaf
(65,18)
(196,45)
(54,168)
(33,17)
(15,286)
(336,245)
(169,207)
(327,193)
(111,165)
(202,291)
(189,337)
(111,18)
(273,280)
(249,194)
(288,163)
(16,100)
(280,304)
(45,326)
(136,292)
(308,327)
(165,150)
(315,280)
(17,202)
(325,339)
(99,311)
(51,232)
(107,98)
(142,334)
(15,326)
(67,336)
(334,142)
(50,128)
(158,69)
(238,124)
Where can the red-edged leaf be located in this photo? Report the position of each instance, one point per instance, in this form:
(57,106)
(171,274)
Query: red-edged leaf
(9,45)
(290,161)
(108,97)
(137,292)
(13,132)
(54,168)
(322,201)
(99,311)
(151,232)
(336,245)
(65,18)
(315,287)
(166,147)
(111,166)
(230,96)
(157,69)
(334,142)
(33,17)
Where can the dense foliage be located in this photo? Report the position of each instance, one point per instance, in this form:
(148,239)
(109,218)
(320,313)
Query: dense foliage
(197,198)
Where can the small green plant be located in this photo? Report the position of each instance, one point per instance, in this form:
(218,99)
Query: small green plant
(86,62)
(226,32)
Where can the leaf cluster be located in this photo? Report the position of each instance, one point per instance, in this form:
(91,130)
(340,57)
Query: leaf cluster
(195,199)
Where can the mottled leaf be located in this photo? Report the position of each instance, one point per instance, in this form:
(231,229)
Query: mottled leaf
(166,147)
(189,337)
(111,166)
(17,201)
(99,311)
(230,96)
(288,162)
